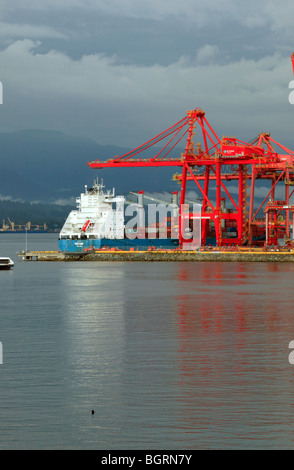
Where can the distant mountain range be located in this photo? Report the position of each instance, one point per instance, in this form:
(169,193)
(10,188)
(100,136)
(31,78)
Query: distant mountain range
(50,166)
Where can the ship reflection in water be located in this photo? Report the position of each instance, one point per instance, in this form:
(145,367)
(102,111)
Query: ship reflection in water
(168,355)
(182,355)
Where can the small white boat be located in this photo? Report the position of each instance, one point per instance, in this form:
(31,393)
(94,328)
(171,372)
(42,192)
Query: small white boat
(6,263)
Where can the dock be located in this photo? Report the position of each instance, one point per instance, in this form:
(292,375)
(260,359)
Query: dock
(241,255)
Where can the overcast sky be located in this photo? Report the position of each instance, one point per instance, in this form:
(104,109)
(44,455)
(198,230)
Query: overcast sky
(121,71)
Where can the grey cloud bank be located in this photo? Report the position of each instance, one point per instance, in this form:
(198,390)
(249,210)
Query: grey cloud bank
(121,71)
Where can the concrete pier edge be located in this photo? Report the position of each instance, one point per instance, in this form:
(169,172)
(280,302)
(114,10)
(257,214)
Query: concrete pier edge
(167,256)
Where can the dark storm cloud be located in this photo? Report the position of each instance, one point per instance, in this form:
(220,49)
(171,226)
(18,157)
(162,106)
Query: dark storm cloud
(120,71)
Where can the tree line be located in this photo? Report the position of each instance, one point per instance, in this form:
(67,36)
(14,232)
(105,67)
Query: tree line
(20,213)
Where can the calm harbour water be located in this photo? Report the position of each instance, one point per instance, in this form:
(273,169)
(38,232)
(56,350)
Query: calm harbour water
(169,355)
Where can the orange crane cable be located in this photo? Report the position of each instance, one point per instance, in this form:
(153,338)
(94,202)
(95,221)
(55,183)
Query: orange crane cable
(209,126)
(153,141)
(268,194)
(180,128)
(290,152)
(143,147)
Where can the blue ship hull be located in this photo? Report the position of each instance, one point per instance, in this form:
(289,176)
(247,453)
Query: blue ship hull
(80,246)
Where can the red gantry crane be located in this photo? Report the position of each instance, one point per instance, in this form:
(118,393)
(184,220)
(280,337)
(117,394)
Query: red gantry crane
(213,165)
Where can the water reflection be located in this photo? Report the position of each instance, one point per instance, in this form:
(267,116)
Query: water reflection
(94,303)
(169,355)
(180,355)
(234,324)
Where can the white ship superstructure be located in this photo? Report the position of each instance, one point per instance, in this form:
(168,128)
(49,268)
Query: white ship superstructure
(98,214)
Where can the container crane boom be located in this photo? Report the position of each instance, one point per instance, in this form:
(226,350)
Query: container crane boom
(220,161)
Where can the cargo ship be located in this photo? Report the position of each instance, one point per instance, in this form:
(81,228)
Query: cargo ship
(98,222)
